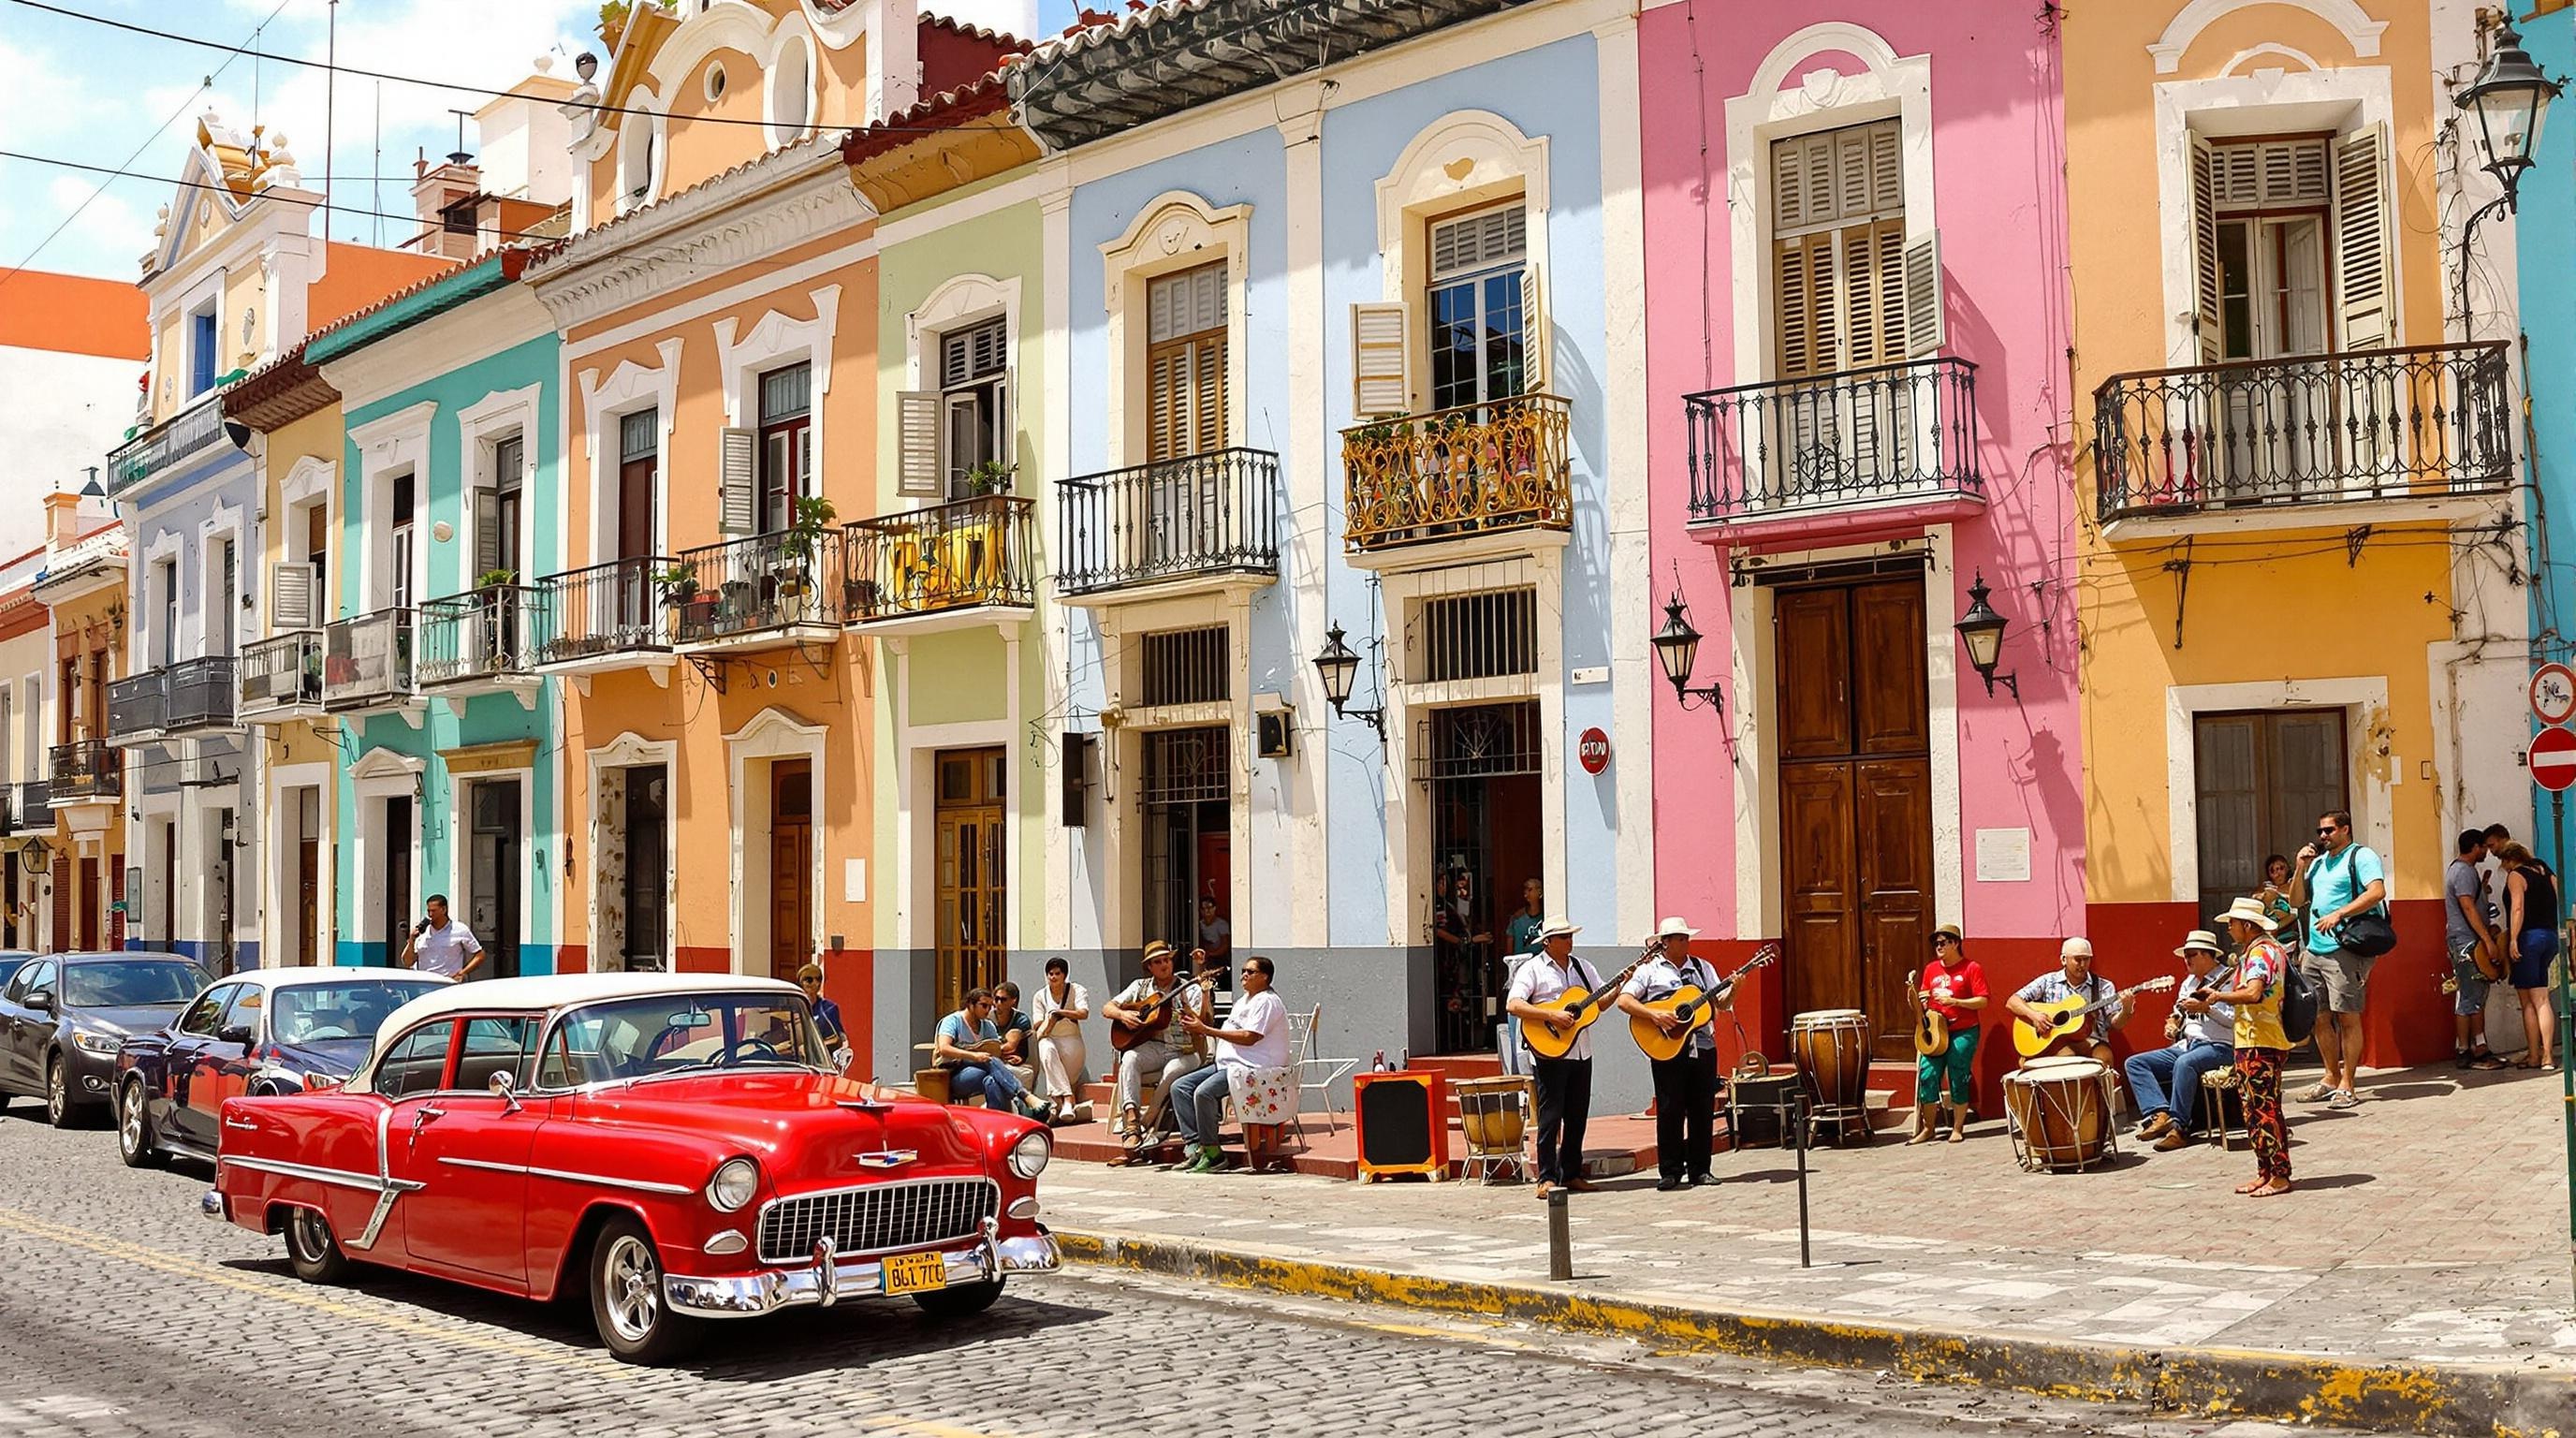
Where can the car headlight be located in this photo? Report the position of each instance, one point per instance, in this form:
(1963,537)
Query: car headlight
(103,1045)
(737,1180)
(1029,1156)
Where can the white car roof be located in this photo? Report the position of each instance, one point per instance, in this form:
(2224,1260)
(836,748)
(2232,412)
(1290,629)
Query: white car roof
(544,993)
(299,975)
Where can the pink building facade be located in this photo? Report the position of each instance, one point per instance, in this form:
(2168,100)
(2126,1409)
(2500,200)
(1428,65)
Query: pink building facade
(1859,405)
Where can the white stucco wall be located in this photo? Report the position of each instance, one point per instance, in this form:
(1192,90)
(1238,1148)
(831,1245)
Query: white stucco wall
(60,413)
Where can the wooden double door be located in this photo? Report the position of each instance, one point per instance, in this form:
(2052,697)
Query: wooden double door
(1855,799)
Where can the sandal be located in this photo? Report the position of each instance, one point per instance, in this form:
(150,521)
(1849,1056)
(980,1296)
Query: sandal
(2246,1190)
(2270,1190)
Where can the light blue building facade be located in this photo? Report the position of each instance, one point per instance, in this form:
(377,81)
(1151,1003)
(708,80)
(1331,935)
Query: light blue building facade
(449,740)
(1323,378)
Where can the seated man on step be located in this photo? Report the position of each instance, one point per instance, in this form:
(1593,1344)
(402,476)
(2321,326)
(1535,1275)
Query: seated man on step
(970,1048)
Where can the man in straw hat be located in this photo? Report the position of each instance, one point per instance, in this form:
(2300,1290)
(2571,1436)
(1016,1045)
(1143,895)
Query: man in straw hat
(1564,1085)
(2166,1081)
(2254,992)
(1686,1085)
(1161,1053)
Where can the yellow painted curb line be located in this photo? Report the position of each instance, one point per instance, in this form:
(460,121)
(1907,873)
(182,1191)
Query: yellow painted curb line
(2431,1399)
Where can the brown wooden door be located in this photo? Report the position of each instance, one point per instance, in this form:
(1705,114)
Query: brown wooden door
(1855,798)
(791,866)
(973,876)
(88,900)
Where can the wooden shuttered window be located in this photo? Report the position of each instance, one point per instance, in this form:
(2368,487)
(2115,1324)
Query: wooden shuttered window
(1845,283)
(290,597)
(2365,291)
(738,482)
(2208,325)
(1185,378)
(1381,382)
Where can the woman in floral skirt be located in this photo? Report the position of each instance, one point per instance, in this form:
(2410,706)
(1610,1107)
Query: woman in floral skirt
(2255,990)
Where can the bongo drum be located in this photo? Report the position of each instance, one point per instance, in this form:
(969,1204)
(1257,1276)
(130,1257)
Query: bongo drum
(1832,1049)
(1491,1113)
(2059,1114)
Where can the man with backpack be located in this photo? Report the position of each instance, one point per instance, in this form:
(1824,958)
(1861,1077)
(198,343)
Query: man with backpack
(2345,890)
(2260,989)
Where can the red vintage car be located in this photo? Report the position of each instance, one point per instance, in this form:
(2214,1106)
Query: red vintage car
(676,1145)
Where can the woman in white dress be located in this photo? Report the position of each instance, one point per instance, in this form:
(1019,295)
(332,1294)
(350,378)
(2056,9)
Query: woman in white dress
(1057,1014)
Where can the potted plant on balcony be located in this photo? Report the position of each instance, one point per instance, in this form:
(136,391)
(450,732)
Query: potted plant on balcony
(991,476)
(678,586)
(797,548)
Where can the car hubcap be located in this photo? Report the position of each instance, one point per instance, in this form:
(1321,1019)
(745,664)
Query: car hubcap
(57,1097)
(132,1129)
(305,1232)
(633,1289)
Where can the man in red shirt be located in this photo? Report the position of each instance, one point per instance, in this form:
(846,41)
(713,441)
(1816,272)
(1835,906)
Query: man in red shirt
(1954,987)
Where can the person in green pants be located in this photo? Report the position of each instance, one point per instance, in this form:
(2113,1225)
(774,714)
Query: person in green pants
(1953,986)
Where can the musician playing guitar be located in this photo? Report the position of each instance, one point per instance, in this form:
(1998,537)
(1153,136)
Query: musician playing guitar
(1686,1085)
(1564,1085)
(2074,979)
(1954,987)
(1141,1028)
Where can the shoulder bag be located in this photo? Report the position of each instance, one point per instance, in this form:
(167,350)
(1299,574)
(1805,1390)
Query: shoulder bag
(2369,933)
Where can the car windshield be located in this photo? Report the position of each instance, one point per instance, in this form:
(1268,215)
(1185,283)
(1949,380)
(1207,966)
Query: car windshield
(679,1033)
(316,1013)
(131,983)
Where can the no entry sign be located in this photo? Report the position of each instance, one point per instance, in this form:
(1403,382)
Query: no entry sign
(2553,759)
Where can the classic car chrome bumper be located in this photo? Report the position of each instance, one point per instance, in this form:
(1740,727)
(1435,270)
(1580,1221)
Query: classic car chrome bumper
(833,1278)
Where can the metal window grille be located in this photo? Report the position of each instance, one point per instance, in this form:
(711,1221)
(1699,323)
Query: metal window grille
(1478,741)
(1187,666)
(1185,766)
(1479,636)
(786,393)
(639,435)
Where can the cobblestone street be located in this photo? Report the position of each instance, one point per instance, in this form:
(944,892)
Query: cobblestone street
(126,1313)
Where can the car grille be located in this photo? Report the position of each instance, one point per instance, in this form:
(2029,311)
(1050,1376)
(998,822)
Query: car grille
(877,1218)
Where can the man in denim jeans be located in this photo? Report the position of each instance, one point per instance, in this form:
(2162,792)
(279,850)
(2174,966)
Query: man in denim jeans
(2466,927)
(2204,1038)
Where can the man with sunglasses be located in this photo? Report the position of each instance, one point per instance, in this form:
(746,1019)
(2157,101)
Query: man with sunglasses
(827,1014)
(2337,880)
(1953,986)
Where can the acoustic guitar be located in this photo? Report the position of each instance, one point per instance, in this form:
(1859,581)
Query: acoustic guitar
(1154,1018)
(1695,1008)
(1584,1006)
(2066,1019)
(1931,1029)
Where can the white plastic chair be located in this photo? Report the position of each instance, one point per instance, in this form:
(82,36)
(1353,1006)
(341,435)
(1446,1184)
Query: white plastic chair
(1301,1044)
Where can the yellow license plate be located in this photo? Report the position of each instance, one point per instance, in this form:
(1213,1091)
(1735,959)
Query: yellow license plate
(915,1272)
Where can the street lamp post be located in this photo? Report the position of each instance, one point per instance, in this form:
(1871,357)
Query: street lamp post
(1338,666)
(1677,649)
(1982,630)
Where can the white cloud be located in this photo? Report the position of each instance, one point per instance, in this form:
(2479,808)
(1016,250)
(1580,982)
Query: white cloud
(110,229)
(43,99)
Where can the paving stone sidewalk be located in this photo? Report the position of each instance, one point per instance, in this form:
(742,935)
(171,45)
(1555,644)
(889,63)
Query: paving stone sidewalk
(2430,1224)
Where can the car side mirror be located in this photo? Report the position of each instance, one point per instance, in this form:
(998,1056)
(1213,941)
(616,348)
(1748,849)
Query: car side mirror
(506,1089)
(41,1001)
(233,1034)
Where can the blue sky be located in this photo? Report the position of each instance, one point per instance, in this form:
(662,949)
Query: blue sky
(84,92)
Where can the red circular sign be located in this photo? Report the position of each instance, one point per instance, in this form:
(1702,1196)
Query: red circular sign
(2553,758)
(1594,750)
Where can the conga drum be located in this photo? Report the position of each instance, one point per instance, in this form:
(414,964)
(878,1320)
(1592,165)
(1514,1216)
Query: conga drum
(1491,1113)
(1832,1050)
(2058,1111)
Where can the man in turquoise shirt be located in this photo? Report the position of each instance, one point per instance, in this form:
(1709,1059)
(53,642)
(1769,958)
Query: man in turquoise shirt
(2338,880)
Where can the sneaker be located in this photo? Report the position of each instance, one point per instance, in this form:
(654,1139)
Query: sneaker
(2315,1093)
(2343,1098)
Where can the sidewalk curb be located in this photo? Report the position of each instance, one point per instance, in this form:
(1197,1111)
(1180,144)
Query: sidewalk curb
(2431,1399)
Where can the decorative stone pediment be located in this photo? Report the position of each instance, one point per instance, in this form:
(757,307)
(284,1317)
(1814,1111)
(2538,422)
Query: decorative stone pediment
(726,222)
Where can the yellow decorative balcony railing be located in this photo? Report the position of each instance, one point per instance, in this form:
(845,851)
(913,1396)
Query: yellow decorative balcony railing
(1455,472)
(960,555)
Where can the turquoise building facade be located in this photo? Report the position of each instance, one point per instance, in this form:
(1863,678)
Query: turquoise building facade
(444,510)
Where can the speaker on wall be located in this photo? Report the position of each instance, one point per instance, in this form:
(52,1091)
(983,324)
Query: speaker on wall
(1076,795)
(1403,1122)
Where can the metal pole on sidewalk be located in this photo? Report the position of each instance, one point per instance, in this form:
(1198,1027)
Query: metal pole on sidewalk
(1560,1241)
(1801,1120)
(2566,1031)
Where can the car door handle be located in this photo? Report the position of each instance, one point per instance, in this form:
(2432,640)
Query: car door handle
(243,1125)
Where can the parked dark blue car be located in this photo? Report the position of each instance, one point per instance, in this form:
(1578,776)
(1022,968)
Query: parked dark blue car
(64,1016)
(267,1031)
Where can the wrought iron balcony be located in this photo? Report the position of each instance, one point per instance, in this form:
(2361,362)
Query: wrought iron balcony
(366,661)
(1213,513)
(974,554)
(26,807)
(1471,470)
(86,770)
(138,707)
(2425,422)
(1863,439)
(165,444)
(484,638)
(280,677)
(760,590)
(602,616)
(200,693)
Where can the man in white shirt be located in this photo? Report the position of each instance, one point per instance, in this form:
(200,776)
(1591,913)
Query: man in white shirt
(1564,1085)
(439,945)
(1156,1052)
(1685,1085)
(1258,1039)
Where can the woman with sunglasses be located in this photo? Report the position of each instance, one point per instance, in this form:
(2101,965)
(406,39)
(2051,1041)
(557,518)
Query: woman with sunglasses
(827,1014)
(1953,986)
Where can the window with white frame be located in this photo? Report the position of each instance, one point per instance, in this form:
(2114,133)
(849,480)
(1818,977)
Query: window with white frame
(295,587)
(225,601)
(972,409)
(786,444)
(165,612)
(1479,307)
(639,458)
(2290,244)
(1185,375)
(397,590)
(204,339)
